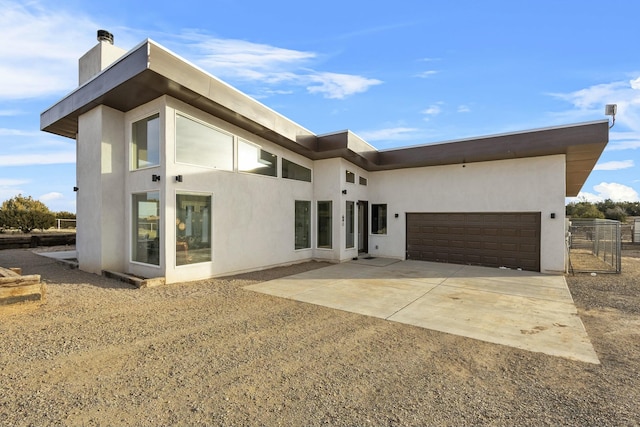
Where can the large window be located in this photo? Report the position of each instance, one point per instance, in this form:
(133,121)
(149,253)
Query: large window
(303,224)
(146,228)
(292,170)
(253,159)
(202,145)
(324,225)
(145,142)
(378,219)
(349,222)
(193,229)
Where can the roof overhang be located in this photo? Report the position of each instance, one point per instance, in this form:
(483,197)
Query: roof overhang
(150,71)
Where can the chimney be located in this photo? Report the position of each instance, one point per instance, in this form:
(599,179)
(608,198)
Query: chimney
(99,57)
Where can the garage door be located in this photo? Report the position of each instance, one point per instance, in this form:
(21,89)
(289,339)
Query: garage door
(488,239)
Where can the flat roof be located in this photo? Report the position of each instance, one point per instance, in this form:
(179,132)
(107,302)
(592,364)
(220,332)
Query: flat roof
(149,71)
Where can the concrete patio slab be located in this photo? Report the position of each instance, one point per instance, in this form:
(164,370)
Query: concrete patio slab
(526,310)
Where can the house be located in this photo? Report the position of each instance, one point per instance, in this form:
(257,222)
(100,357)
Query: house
(180,175)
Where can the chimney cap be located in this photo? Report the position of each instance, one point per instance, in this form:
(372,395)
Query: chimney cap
(105,36)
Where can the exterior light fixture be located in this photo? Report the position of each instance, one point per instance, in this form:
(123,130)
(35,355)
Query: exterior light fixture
(155,178)
(344,191)
(75,188)
(178,178)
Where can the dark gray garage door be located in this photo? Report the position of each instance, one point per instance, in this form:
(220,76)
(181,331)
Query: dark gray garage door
(489,239)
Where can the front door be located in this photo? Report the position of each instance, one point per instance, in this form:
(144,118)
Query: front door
(363,226)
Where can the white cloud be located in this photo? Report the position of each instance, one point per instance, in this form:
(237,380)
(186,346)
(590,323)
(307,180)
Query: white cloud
(42,56)
(11,182)
(610,190)
(37,159)
(10,113)
(338,86)
(614,165)
(271,65)
(394,133)
(51,196)
(463,109)
(427,74)
(432,110)
(18,132)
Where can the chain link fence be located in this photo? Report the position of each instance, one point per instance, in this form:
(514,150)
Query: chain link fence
(594,246)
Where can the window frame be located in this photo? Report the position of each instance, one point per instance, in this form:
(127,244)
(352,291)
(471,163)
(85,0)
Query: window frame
(326,223)
(261,150)
(185,248)
(136,242)
(350,177)
(212,128)
(349,225)
(308,226)
(287,161)
(379,218)
(133,144)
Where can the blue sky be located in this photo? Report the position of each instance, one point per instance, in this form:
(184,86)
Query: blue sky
(396,73)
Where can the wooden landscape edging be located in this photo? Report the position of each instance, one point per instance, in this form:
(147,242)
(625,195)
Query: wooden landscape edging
(15,288)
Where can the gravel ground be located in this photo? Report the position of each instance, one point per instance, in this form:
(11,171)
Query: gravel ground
(100,352)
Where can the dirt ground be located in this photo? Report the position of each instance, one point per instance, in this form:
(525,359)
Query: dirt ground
(100,352)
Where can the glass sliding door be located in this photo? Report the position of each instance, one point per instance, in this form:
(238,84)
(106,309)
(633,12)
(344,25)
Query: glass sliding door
(146,228)
(325,226)
(193,228)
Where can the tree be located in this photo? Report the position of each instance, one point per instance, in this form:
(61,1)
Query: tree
(25,214)
(583,210)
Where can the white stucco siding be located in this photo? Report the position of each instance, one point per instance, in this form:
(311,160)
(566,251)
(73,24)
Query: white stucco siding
(252,215)
(519,185)
(99,200)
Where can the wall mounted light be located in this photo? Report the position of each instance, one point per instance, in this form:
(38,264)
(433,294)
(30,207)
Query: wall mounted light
(75,188)
(178,178)
(553,216)
(344,191)
(155,178)
(397,215)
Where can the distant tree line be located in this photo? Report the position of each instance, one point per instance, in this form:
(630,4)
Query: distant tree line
(27,214)
(607,209)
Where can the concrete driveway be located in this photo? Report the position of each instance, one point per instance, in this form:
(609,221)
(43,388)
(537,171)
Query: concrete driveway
(530,311)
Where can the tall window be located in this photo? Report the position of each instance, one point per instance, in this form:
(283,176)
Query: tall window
(193,229)
(146,228)
(253,159)
(349,222)
(145,142)
(324,225)
(303,224)
(202,145)
(292,170)
(379,219)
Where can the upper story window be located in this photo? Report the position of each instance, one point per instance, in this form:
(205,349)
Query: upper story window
(253,159)
(145,142)
(363,180)
(202,145)
(292,170)
(350,177)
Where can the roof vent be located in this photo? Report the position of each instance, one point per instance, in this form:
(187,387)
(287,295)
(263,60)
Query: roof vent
(105,36)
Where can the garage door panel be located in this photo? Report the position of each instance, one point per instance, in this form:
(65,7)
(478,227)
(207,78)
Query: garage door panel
(490,239)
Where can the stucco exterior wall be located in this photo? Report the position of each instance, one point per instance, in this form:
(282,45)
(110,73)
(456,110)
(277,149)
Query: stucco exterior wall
(519,185)
(252,215)
(100,181)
